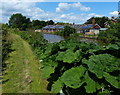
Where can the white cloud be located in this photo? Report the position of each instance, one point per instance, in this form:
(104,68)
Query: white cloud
(23,1)
(94,15)
(65,6)
(30,10)
(26,8)
(114,13)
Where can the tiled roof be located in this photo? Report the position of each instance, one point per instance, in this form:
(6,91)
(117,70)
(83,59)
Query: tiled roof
(87,26)
(54,27)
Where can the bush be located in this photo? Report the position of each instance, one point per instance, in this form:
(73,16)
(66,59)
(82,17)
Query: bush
(68,30)
(111,35)
(79,68)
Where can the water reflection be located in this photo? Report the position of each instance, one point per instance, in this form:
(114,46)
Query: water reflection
(52,38)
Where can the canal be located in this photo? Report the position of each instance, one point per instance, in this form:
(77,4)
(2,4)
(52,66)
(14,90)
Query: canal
(51,38)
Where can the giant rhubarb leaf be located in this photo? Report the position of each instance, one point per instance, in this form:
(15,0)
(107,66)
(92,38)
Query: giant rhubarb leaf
(111,79)
(69,56)
(57,86)
(102,63)
(91,86)
(73,77)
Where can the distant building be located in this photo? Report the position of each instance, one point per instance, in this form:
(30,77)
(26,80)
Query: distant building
(53,28)
(86,29)
(93,29)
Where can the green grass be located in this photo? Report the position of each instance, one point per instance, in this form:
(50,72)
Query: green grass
(22,74)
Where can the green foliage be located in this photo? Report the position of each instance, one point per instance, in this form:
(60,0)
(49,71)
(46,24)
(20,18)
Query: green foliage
(111,79)
(50,22)
(48,68)
(19,21)
(57,86)
(111,35)
(61,23)
(35,39)
(68,30)
(6,45)
(81,67)
(37,24)
(98,20)
(91,86)
(103,62)
(73,77)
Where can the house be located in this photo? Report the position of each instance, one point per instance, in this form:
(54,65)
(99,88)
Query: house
(90,29)
(53,28)
(93,29)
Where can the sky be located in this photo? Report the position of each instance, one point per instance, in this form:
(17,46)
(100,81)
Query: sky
(70,12)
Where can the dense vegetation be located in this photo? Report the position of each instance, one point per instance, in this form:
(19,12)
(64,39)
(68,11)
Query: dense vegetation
(19,21)
(112,34)
(6,45)
(81,68)
(23,23)
(72,66)
(35,39)
(66,31)
(99,20)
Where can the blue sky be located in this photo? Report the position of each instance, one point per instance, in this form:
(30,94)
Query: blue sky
(72,12)
(96,7)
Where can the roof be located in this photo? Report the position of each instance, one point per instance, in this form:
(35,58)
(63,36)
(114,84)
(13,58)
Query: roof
(54,27)
(88,26)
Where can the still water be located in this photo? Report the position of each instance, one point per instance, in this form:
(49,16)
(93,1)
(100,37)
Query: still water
(52,38)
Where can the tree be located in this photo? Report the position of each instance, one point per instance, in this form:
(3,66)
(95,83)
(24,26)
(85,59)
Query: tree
(98,20)
(68,30)
(112,35)
(51,22)
(37,24)
(19,21)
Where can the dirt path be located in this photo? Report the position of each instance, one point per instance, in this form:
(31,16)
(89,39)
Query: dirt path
(22,74)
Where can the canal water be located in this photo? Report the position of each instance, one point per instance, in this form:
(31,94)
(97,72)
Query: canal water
(51,38)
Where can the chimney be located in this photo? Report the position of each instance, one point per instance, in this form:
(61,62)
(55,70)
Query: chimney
(93,23)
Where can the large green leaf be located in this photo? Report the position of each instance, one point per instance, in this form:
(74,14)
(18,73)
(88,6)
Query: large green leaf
(48,68)
(96,48)
(112,47)
(103,62)
(60,56)
(111,79)
(73,77)
(57,86)
(106,92)
(46,71)
(69,56)
(91,86)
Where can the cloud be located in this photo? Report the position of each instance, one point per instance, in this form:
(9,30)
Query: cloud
(30,10)
(65,6)
(23,1)
(94,15)
(114,13)
(26,8)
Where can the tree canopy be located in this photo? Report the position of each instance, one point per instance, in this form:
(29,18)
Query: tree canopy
(19,21)
(37,24)
(112,35)
(50,22)
(98,20)
(22,22)
(68,30)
